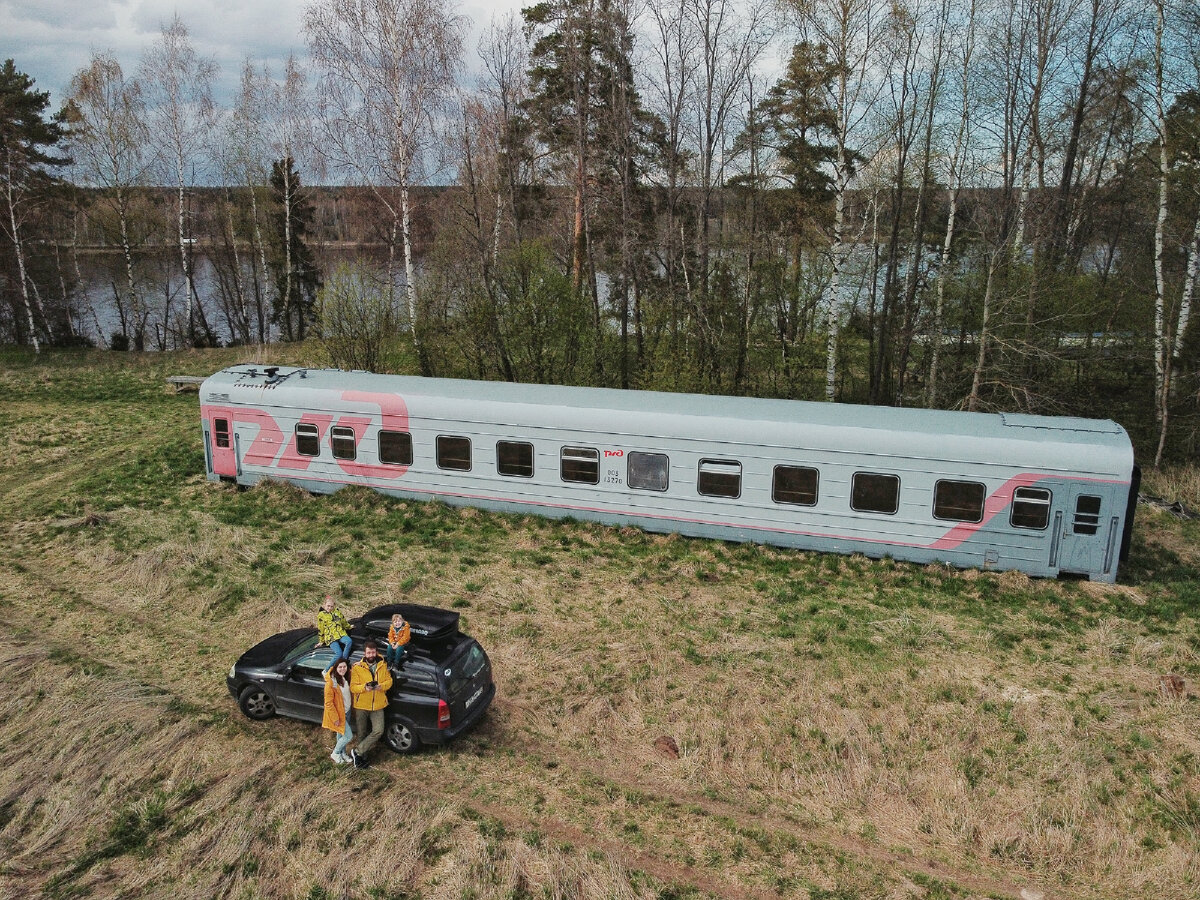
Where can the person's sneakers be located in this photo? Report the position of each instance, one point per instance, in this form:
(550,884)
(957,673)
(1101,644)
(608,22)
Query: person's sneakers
(360,762)
(339,758)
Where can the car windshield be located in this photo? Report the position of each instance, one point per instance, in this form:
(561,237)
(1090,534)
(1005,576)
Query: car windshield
(464,669)
(305,645)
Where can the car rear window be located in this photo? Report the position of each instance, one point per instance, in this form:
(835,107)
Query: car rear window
(465,668)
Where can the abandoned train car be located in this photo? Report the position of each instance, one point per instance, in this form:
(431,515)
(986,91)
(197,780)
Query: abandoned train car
(1043,495)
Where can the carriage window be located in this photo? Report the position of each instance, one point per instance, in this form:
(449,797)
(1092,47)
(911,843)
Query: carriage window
(308,440)
(221,426)
(647,471)
(1030,508)
(395,448)
(514,458)
(580,464)
(719,478)
(1087,515)
(341,439)
(454,453)
(794,484)
(959,501)
(875,493)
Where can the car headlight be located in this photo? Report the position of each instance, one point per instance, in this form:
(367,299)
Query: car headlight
(232,673)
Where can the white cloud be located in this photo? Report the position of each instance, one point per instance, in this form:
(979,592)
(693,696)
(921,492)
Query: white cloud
(64,14)
(50,40)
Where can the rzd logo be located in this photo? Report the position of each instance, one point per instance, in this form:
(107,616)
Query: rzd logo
(608,453)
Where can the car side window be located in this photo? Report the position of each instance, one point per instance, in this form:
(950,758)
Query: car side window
(315,663)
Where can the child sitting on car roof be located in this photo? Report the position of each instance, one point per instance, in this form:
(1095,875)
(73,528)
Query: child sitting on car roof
(397,642)
(332,629)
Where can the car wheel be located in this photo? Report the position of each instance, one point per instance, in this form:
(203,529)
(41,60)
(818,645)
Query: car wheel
(256,703)
(401,737)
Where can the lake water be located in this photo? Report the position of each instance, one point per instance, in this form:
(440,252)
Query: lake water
(159,281)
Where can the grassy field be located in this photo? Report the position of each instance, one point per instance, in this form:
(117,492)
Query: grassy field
(847,728)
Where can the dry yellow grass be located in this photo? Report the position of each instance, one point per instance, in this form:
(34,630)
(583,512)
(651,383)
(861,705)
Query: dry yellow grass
(846,729)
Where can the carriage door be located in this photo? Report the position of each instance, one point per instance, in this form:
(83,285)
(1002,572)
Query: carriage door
(224,456)
(1084,532)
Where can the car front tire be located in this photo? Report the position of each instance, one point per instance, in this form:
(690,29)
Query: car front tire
(256,703)
(401,737)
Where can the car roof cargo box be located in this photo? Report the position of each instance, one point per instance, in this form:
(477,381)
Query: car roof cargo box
(427,623)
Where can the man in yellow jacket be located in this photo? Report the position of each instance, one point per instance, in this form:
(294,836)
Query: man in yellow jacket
(370,681)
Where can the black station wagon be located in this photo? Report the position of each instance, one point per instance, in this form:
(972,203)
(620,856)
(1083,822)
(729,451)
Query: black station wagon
(444,688)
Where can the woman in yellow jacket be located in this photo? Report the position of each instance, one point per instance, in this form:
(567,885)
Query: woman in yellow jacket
(337,706)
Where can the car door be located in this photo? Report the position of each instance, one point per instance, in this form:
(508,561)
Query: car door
(301,692)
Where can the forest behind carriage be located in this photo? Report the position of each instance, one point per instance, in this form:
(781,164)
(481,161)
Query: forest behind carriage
(988,207)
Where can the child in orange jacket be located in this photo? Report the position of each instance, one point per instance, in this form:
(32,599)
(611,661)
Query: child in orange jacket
(397,642)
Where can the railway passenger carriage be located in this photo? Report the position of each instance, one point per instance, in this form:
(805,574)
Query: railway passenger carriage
(1044,495)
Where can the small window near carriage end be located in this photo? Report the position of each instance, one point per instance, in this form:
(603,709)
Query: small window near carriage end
(308,440)
(221,427)
(341,441)
(1030,508)
(871,492)
(1087,515)
(395,448)
(719,478)
(794,484)
(959,501)
(454,453)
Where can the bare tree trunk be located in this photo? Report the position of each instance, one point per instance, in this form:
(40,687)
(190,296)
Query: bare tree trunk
(410,273)
(835,277)
(981,358)
(15,234)
(239,284)
(1160,288)
(260,288)
(127,253)
(1189,289)
(955,185)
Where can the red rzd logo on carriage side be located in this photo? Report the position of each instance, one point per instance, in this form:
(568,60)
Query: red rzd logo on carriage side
(608,453)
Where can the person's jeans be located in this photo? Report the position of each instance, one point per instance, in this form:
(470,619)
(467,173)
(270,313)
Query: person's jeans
(344,738)
(395,655)
(341,647)
(361,719)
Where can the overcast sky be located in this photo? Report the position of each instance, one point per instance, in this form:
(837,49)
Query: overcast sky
(50,40)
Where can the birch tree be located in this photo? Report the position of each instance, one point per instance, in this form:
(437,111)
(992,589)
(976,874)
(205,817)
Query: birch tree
(954,167)
(180,116)
(850,31)
(387,71)
(112,156)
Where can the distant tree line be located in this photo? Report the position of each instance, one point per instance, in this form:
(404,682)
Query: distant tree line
(989,205)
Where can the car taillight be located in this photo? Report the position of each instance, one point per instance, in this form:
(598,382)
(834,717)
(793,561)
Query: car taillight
(443,714)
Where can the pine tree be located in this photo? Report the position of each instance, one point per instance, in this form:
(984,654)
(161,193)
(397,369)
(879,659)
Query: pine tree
(293,269)
(28,140)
